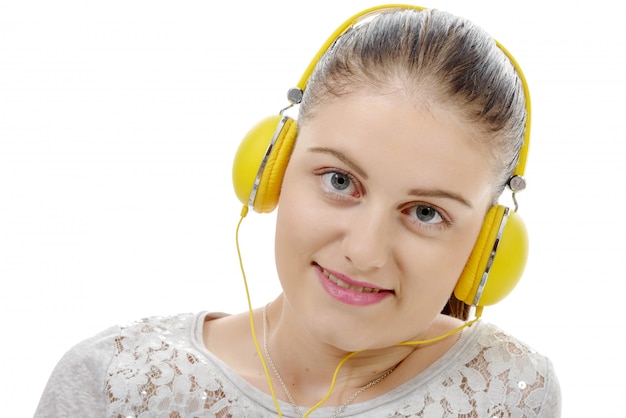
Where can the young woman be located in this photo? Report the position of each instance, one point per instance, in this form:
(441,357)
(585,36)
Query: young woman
(410,126)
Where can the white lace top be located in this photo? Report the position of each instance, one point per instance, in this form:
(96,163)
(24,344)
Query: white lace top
(159,367)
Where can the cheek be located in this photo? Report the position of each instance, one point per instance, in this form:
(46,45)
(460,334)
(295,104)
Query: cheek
(296,221)
(438,264)
(301,233)
(301,213)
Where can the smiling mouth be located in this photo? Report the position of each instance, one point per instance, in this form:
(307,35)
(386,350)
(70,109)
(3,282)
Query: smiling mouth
(363,289)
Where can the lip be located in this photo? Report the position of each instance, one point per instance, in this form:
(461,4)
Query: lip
(349,291)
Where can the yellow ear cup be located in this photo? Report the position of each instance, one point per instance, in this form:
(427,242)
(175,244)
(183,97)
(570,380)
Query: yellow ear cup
(497,260)
(261,161)
(272,178)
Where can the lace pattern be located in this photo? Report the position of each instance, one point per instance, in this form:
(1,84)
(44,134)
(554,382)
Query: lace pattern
(499,381)
(157,372)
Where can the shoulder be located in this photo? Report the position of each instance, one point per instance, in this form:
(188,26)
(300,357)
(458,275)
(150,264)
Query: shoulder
(505,368)
(497,349)
(90,355)
(152,340)
(161,328)
(77,381)
(80,379)
(487,373)
(142,344)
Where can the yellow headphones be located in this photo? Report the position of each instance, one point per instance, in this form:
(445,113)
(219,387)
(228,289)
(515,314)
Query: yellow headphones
(499,255)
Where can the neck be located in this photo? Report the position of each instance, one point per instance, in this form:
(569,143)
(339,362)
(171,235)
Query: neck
(307,367)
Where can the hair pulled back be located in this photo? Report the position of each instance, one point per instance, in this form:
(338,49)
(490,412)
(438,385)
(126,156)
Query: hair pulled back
(436,58)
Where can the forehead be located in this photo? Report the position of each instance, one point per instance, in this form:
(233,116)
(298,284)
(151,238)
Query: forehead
(391,121)
(392,135)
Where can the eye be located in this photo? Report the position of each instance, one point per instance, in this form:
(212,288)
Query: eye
(426,216)
(339,183)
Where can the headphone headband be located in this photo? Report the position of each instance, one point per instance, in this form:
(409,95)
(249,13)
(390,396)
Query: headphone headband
(359,17)
(521,164)
(499,255)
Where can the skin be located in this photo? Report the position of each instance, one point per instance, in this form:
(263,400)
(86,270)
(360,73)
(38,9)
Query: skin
(387,193)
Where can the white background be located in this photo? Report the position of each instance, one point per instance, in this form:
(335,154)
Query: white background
(118,123)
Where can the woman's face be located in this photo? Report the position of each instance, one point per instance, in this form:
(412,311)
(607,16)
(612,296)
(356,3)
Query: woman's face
(380,207)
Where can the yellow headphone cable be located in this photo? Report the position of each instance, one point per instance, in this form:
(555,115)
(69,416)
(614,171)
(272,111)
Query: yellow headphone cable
(244,212)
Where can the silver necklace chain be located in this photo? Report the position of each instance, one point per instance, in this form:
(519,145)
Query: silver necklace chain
(284,386)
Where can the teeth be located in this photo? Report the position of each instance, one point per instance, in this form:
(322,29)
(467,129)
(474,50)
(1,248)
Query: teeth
(345,285)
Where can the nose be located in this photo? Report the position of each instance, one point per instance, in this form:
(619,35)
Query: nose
(368,237)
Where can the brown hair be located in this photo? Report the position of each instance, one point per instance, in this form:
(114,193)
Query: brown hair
(436,58)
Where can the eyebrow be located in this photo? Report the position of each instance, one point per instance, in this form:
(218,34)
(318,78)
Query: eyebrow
(441,194)
(341,156)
